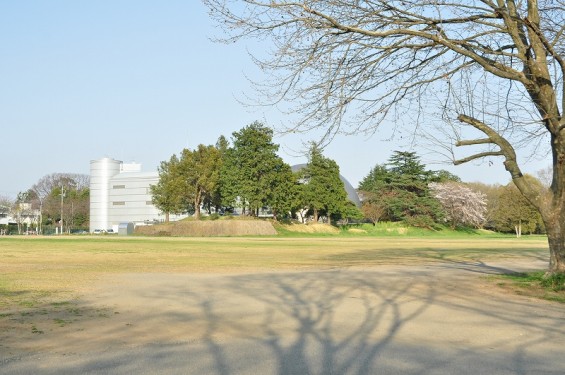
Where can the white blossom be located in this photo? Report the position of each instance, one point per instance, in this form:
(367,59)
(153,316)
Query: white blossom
(461,204)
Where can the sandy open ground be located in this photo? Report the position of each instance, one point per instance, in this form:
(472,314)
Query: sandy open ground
(443,318)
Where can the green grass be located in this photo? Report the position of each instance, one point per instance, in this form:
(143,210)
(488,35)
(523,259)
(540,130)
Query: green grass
(535,284)
(34,329)
(61,322)
(398,229)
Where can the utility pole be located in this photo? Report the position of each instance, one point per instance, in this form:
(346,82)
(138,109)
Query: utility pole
(40,226)
(62,196)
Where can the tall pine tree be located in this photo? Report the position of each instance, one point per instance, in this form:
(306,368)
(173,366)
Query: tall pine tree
(323,190)
(401,187)
(250,173)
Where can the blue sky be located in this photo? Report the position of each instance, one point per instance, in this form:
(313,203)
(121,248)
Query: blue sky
(140,81)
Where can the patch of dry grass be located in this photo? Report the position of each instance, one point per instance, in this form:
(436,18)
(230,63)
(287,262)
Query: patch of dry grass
(43,278)
(356,230)
(36,269)
(216,228)
(310,228)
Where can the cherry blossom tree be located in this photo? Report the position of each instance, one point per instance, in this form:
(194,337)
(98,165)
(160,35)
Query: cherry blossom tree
(462,205)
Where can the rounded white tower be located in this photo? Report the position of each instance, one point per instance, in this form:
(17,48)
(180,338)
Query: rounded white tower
(101,171)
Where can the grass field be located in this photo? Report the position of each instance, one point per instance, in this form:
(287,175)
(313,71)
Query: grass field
(36,270)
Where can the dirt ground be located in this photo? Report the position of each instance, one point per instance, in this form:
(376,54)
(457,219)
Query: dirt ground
(429,319)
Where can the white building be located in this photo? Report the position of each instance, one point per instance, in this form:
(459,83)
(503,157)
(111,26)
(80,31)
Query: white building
(22,215)
(120,192)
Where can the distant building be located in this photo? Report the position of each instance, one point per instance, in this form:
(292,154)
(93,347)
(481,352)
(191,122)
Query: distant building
(22,215)
(6,216)
(120,192)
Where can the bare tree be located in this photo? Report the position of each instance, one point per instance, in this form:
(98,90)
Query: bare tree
(488,72)
(544,175)
(373,211)
(46,197)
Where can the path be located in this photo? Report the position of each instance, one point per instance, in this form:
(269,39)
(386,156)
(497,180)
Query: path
(440,319)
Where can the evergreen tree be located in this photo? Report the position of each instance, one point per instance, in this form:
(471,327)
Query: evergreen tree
(167,194)
(214,197)
(249,174)
(401,188)
(284,190)
(323,190)
(376,180)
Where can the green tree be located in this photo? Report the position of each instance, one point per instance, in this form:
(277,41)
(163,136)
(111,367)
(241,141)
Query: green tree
(214,197)
(284,190)
(199,172)
(167,194)
(351,212)
(400,187)
(250,173)
(445,176)
(376,180)
(323,191)
(513,212)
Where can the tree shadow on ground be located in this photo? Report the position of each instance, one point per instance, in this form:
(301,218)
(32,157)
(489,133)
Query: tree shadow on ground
(410,320)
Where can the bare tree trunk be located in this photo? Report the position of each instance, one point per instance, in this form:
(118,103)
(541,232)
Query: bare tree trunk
(197,202)
(552,207)
(196,209)
(518,229)
(555,226)
(315,215)
(167,216)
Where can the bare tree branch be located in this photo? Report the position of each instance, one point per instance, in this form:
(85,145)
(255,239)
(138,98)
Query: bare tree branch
(473,142)
(496,66)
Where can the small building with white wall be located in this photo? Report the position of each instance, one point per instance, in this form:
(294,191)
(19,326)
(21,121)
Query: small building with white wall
(120,192)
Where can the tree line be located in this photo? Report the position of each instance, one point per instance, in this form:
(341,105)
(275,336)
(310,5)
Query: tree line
(56,200)
(402,189)
(247,175)
(485,77)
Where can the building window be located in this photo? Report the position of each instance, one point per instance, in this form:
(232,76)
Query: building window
(120,203)
(119,186)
